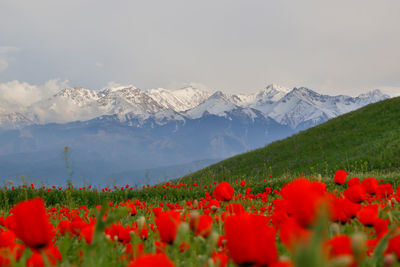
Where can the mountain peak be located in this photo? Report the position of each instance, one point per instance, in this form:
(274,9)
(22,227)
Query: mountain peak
(276,87)
(305,92)
(271,93)
(78,95)
(179,99)
(376,93)
(218,94)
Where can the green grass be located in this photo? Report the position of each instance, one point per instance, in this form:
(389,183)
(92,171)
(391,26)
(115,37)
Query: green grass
(365,140)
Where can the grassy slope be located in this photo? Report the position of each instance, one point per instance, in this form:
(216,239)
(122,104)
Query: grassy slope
(365,140)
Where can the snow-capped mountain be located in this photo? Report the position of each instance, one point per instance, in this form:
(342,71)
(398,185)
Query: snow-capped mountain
(305,108)
(121,129)
(217,104)
(298,108)
(180,99)
(270,94)
(14,120)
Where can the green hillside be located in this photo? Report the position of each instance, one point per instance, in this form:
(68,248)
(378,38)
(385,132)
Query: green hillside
(365,140)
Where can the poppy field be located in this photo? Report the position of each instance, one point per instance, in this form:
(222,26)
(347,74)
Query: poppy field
(303,221)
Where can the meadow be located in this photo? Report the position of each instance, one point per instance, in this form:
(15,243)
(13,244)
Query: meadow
(276,221)
(288,204)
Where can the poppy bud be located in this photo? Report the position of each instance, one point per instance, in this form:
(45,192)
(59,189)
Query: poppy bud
(183,230)
(358,244)
(213,239)
(335,229)
(389,260)
(141,221)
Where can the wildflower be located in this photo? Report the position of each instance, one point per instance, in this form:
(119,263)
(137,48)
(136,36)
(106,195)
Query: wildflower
(340,177)
(152,260)
(219,259)
(223,191)
(291,234)
(167,224)
(385,190)
(368,215)
(339,245)
(304,199)
(394,246)
(370,185)
(250,240)
(201,225)
(32,224)
(355,193)
(353,181)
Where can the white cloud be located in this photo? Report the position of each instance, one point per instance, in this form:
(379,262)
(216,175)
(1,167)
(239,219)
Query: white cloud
(17,96)
(392,91)
(179,85)
(99,64)
(3,64)
(116,85)
(8,49)
(4,50)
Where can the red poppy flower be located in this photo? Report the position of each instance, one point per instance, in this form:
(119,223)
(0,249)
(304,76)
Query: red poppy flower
(7,239)
(368,215)
(201,225)
(64,226)
(283,263)
(220,259)
(87,233)
(350,208)
(304,199)
(340,177)
(35,260)
(370,185)
(119,233)
(132,208)
(235,208)
(353,181)
(338,213)
(291,234)
(152,260)
(223,191)
(394,246)
(32,224)
(157,211)
(53,256)
(355,193)
(381,227)
(144,233)
(385,190)
(339,245)
(250,240)
(167,224)
(184,246)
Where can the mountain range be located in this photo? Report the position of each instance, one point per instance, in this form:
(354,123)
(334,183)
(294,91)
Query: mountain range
(125,129)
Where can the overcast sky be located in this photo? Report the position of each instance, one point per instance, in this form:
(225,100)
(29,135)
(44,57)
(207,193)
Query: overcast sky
(334,47)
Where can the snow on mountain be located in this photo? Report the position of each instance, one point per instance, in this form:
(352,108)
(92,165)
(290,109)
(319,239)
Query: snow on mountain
(217,104)
(180,99)
(78,96)
(372,96)
(297,107)
(14,120)
(70,104)
(304,105)
(270,94)
(127,100)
